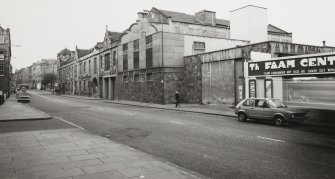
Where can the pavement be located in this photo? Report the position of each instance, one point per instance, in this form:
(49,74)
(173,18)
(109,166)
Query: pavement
(13,110)
(213,109)
(73,153)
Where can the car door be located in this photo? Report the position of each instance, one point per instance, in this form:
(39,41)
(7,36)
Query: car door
(263,110)
(251,109)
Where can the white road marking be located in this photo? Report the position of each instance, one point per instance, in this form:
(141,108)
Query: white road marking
(277,140)
(176,122)
(75,125)
(129,114)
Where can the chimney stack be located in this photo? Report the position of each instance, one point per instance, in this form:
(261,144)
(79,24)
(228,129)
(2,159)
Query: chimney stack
(206,17)
(324,43)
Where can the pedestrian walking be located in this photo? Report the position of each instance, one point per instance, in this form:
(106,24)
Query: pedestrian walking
(177,98)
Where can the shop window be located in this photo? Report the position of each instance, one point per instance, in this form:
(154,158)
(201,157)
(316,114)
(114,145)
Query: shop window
(252,89)
(268,86)
(2,70)
(199,47)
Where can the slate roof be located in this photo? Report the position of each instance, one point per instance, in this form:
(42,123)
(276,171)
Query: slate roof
(83,52)
(186,18)
(114,36)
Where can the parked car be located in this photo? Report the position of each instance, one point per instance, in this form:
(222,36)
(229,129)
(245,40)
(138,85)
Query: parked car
(271,110)
(23,97)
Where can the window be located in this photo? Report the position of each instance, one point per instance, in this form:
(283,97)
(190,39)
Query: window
(89,66)
(136,45)
(2,70)
(260,103)
(136,78)
(125,79)
(114,58)
(84,67)
(252,88)
(249,102)
(125,56)
(136,54)
(75,71)
(268,88)
(2,39)
(198,47)
(148,41)
(148,51)
(149,77)
(100,61)
(95,65)
(107,62)
(2,55)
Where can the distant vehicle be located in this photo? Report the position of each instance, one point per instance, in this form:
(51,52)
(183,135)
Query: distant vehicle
(270,110)
(23,97)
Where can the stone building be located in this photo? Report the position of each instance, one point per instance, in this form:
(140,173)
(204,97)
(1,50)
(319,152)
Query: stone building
(5,64)
(90,72)
(150,58)
(66,71)
(39,69)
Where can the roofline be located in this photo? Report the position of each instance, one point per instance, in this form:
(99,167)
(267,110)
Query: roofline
(271,41)
(303,56)
(278,28)
(248,6)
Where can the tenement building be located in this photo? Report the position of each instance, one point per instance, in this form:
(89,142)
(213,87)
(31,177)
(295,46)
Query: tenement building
(5,64)
(90,72)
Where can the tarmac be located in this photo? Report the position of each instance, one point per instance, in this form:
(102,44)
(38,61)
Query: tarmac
(73,153)
(213,109)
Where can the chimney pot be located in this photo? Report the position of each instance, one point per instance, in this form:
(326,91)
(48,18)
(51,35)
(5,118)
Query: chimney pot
(324,43)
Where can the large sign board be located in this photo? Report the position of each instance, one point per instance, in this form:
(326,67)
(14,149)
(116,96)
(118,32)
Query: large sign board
(293,66)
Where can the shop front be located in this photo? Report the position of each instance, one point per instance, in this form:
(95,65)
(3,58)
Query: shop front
(306,79)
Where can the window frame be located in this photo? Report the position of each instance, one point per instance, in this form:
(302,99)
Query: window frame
(3,70)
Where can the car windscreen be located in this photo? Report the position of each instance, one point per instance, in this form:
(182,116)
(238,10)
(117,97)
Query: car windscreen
(276,103)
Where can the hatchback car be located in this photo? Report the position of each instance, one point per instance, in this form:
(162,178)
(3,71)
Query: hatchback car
(271,110)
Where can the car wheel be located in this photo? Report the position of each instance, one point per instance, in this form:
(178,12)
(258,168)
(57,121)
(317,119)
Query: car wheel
(279,121)
(242,117)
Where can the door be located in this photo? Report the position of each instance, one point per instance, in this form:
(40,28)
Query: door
(262,110)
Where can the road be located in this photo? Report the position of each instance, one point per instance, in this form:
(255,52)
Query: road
(215,146)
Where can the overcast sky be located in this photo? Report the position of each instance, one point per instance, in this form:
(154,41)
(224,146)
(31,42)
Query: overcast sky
(44,27)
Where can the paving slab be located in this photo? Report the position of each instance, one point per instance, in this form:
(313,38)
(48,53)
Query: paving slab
(12,110)
(78,154)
